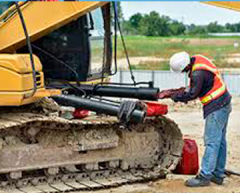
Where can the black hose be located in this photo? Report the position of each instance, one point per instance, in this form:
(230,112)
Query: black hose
(125,84)
(29,49)
(124,47)
(104,99)
(77,88)
(230,172)
(137,116)
(125,112)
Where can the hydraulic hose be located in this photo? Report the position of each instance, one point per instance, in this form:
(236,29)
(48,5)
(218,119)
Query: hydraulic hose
(123,42)
(29,49)
(137,116)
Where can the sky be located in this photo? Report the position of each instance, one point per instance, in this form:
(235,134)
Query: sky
(187,11)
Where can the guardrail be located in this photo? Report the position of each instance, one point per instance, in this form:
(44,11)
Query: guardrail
(168,79)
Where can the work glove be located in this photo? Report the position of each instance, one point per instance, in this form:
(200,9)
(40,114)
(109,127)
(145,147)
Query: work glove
(170,93)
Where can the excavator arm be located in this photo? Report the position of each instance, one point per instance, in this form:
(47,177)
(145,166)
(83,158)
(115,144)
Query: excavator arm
(233,5)
(41,18)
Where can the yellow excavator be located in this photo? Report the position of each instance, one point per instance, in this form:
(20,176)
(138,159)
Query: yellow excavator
(55,59)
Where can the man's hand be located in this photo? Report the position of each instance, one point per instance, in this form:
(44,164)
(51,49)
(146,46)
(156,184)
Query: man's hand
(165,94)
(170,93)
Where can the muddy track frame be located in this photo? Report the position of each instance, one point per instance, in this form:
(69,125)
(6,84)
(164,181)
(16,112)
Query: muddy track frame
(52,154)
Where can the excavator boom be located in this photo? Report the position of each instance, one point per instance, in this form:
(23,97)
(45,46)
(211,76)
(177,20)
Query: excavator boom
(233,5)
(41,18)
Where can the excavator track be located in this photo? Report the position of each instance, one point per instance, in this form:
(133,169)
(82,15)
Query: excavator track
(43,153)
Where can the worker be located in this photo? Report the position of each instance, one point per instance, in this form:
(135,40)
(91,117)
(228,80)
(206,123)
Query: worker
(207,85)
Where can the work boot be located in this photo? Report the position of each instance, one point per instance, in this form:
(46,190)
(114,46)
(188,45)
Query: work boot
(198,181)
(216,180)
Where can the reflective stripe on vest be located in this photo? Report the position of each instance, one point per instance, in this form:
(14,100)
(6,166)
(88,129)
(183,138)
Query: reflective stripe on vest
(213,95)
(219,87)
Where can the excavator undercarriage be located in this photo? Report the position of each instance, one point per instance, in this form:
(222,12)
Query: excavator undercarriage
(45,153)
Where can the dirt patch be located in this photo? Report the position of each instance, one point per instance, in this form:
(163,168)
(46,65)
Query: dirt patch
(205,41)
(233,59)
(122,63)
(177,186)
(230,63)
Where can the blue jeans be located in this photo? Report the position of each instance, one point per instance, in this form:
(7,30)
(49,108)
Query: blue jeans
(214,159)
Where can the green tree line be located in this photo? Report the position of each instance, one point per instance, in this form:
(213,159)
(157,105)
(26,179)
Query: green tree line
(154,24)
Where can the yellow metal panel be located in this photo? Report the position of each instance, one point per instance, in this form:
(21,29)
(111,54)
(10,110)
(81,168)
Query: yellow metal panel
(41,18)
(234,5)
(12,98)
(95,81)
(13,81)
(19,63)
(18,98)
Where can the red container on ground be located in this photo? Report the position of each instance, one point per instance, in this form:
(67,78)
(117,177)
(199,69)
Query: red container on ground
(189,164)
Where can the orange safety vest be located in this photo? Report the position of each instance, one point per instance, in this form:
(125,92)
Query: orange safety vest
(219,87)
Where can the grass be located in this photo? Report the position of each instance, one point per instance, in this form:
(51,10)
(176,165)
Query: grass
(216,48)
(151,65)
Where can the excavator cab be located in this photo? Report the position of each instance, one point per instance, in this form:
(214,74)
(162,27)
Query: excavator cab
(78,51)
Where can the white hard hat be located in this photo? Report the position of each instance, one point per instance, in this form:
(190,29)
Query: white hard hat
(179,61)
